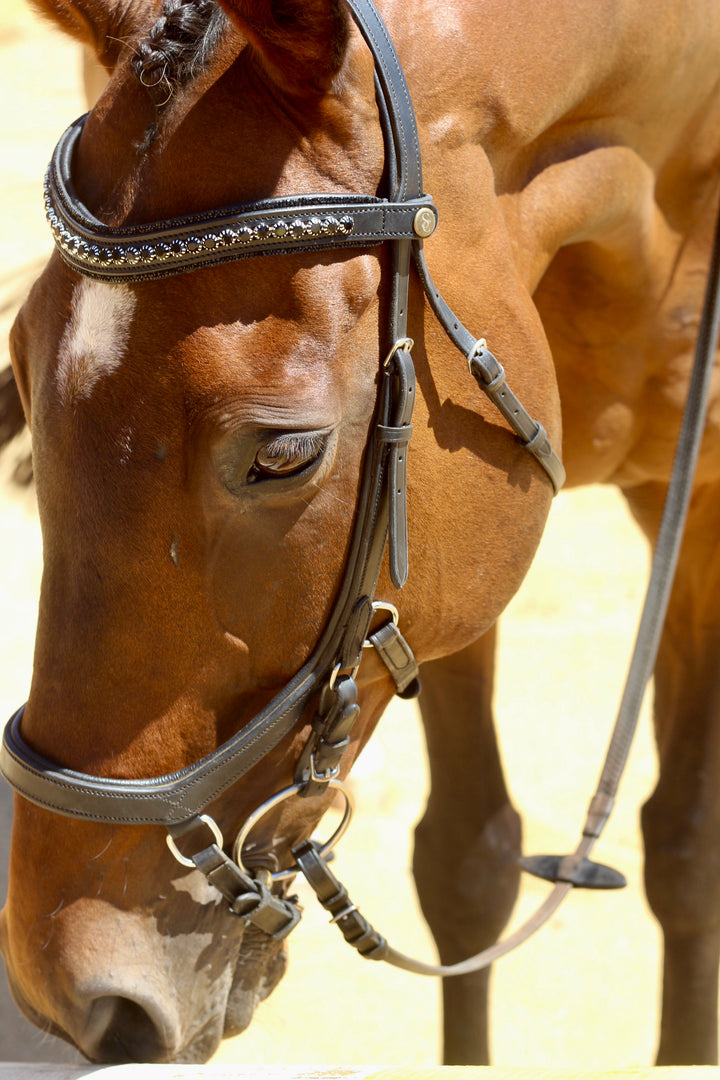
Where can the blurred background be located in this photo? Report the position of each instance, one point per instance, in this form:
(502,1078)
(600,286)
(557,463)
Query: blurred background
(584,992)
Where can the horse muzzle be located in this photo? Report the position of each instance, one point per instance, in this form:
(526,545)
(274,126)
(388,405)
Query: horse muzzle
(120,992)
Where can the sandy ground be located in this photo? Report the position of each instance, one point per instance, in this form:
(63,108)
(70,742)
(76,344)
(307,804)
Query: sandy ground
(582,993)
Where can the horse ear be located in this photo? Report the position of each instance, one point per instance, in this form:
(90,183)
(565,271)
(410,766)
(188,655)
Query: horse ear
(102,25)
(301,43)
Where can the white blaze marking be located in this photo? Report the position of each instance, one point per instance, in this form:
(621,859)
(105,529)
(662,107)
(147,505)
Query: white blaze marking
(95,337)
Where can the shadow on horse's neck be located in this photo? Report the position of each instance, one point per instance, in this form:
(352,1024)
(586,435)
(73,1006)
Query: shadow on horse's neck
(459,424)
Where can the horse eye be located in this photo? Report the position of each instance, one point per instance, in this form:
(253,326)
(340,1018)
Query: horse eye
(287,455)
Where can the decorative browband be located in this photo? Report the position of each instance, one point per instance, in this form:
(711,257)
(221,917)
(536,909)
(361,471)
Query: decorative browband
(271,226)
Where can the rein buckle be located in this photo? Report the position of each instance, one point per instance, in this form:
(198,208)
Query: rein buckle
(323,776)
(319,762)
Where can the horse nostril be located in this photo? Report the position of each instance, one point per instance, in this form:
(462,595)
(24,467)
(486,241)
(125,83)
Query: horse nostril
(120,1030)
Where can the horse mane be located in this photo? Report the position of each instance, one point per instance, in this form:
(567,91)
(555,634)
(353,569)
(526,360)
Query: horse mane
(179,45)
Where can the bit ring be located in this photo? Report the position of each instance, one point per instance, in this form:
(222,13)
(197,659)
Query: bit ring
(275,800)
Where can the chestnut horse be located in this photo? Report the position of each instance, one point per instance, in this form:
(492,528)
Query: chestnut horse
(200,447)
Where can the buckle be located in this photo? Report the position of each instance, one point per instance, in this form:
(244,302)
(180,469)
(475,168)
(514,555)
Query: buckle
(402,344)
(323,776)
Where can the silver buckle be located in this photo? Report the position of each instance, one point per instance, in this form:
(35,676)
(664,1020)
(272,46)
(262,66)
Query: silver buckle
(326,775)
(481,343)
(383,605)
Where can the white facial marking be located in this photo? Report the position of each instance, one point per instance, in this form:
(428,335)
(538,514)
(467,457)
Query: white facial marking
(197,887)
(95,337)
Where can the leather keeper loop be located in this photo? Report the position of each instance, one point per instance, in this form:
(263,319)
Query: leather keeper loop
(539,444)
(599,811)
(385,434)
(396,654)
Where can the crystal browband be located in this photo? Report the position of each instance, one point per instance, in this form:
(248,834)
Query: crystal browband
(271,226)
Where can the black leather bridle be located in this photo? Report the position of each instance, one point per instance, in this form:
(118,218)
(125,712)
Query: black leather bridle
(278,226)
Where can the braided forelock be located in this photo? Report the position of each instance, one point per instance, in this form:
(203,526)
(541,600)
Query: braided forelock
(179,44)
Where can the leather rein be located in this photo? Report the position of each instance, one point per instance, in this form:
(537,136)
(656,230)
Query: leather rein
(177,801)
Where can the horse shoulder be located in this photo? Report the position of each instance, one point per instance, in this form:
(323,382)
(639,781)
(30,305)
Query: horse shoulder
(600,142)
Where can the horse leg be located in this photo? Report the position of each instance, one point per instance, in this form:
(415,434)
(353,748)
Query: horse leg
(681,820)
(468,842)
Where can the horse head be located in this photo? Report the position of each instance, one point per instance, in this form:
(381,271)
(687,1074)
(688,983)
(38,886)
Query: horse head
(201,444)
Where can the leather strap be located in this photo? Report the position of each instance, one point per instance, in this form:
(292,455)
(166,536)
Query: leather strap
(359,933)
(320,758)
(179,245)
(334,897)
(490,377)
(400,112)
(662,572)
(398,658)
(395,438)
(489,374)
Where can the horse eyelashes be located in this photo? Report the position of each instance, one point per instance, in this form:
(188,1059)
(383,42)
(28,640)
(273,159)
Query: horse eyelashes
(288,455)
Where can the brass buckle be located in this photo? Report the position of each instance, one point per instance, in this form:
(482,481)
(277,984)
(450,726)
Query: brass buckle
(405,343)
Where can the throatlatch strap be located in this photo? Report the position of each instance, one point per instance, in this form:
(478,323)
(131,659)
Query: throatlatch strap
(490,377)
(489,374)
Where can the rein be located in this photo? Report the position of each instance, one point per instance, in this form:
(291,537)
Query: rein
(177,801)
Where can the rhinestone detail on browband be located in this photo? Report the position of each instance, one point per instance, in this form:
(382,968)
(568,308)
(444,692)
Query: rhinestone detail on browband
(275,230)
